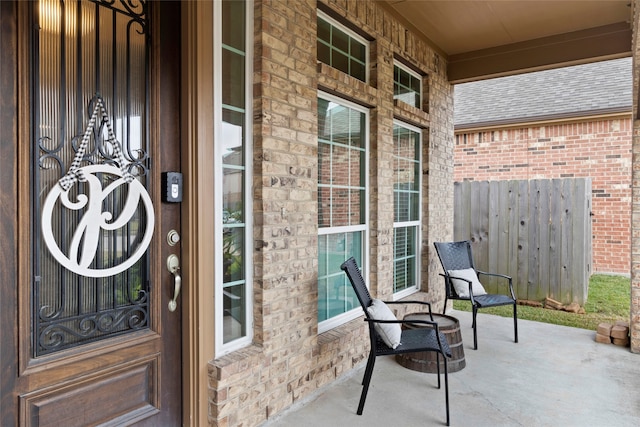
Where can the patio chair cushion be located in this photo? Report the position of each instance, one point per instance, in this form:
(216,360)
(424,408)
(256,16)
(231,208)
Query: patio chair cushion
(462,287)
(389,332)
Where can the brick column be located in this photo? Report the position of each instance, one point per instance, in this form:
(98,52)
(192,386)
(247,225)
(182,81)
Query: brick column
(381,177)
(438,180)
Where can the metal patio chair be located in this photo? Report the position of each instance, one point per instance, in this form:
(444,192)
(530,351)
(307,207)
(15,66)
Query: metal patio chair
(459,274)
(427,337)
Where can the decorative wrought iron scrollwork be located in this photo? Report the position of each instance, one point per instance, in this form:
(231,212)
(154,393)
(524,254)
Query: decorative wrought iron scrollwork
(84,47)
(62,334)
(136,9)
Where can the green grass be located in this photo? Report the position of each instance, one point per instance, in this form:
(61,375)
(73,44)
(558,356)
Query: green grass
(608,301)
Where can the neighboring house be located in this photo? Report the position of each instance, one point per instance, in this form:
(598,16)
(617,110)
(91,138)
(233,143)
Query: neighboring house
(568,122)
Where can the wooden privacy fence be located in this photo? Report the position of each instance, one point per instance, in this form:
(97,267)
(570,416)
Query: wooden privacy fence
(537,231)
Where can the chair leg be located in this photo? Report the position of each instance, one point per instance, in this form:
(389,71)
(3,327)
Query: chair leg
(515,321)
(475,328)
(446,387)
(438,367)
(365,383)
(473,319)
(369,368)
(444,308)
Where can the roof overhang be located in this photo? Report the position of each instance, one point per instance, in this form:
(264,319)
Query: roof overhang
(484,39)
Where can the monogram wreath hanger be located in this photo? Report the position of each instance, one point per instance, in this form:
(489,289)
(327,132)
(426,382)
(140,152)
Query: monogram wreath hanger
(84,243)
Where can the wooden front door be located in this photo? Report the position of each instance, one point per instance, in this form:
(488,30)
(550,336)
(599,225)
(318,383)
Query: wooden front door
(90,333)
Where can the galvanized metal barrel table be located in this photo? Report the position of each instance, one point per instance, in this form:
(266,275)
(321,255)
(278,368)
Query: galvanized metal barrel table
(426,361)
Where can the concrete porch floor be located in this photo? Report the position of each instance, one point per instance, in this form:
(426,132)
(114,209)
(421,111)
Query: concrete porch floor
(554,376)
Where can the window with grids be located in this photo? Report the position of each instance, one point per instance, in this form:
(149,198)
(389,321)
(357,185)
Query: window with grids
(342,216)
(406,203)
(234,317)
(341,48)
(407,85)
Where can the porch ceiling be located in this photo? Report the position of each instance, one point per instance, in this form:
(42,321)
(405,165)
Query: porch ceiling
(483,39)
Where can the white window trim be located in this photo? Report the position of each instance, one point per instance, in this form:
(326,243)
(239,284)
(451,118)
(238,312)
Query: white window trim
(220,347)
(343,318)
(414,74)
(353,34)
(412,290)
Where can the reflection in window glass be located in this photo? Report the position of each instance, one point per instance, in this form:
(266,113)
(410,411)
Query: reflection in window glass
(341,202)
(233,32)
(406,203)
(233,95)
(405,258)
(232,143)
(341,48)
(335,293)
(341,142)
(407,86)
(232,140)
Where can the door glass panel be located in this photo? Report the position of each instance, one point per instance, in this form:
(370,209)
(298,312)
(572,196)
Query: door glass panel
(84,48)
(235,291)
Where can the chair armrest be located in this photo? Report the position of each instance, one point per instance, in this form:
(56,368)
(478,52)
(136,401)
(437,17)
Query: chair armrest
(428,304)
(432,324)
(449,277)
(413,322)
(493,274)
(504,276)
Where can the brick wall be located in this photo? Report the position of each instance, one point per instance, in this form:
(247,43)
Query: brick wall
(599,149)
(289,359)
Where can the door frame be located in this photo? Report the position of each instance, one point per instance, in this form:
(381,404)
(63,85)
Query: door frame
(198,207)
(9,209)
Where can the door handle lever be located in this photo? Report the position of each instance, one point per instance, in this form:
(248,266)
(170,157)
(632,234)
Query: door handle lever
(173,265)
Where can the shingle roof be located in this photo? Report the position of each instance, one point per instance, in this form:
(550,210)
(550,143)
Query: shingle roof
(580,90)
